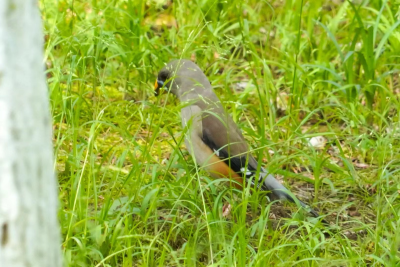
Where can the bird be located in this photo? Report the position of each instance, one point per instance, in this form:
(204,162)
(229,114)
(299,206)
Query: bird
(213,139)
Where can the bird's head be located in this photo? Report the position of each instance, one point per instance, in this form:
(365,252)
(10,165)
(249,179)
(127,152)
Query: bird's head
(162,83)
(167,79)
(184,79)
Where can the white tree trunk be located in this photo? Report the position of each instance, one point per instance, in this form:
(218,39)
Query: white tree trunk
(29,231)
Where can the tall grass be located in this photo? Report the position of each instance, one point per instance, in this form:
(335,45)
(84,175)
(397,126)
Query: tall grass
(287,71)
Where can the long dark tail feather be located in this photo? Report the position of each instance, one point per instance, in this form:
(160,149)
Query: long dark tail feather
(270,183)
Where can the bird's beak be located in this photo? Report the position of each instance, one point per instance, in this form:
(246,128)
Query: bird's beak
(157,85)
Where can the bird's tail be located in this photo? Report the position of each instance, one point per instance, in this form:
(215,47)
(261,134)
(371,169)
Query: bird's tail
(269,183)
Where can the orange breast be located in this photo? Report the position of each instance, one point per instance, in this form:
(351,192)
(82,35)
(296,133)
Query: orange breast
(219,169)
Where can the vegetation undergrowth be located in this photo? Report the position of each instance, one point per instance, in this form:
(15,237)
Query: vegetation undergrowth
(290,72)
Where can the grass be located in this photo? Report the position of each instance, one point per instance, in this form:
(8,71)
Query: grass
(287,70)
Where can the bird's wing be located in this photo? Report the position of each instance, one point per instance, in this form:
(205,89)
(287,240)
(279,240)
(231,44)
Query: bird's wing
(223,136)
(212,137)
(203,154)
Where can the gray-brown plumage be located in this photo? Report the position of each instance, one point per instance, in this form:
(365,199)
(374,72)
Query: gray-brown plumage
(213,138)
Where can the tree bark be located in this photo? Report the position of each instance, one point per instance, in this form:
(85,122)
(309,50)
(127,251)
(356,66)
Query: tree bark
(29,231)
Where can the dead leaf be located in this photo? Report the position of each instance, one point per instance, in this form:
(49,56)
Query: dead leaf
(361,165)
(226,210)
(163,20)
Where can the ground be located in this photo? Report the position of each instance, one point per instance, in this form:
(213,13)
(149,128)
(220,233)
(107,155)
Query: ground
(314,85)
